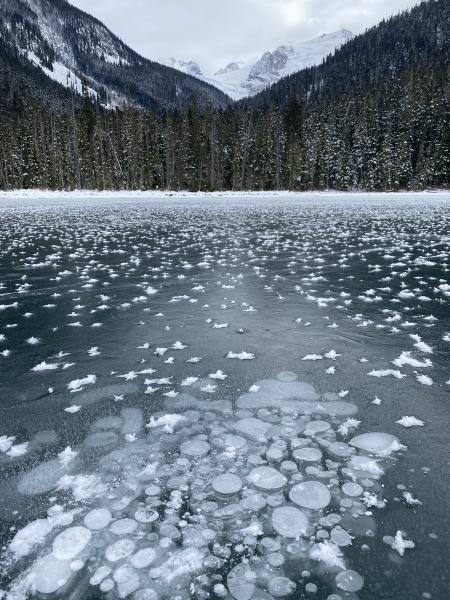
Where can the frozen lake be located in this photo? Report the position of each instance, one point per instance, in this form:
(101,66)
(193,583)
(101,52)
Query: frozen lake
(239,396)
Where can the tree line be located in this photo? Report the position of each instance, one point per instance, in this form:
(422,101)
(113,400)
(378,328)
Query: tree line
(375,116)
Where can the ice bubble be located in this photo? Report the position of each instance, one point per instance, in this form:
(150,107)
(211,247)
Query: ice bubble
(123,527)
(44,438)
(220,590)
(307,454)
(41,479)
(127,580)
(349,581)
(68,544)
(146,515)
(368,467)
(274,454)
(100,574)
(234,442)
(310,494)
(195,448)
(146,594)
(34,533)
(143,558)
(227,484)
(374,443)
(107,423)
(289,522)
(287,376)
(267,479)
(352,489)
(253,429)
(275,560)
(94,395)
(317,427)
(98,518)
(340,449)
(50,574)
(119,550)
(241,582)
(107,586)
(101,439)
(253,503)
(180,565)
(340,537)
(288,467)
(273,393)
(280,587)
(133,421)
(153,490)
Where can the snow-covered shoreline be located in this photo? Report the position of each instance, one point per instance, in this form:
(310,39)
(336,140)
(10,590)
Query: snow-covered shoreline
(159,194)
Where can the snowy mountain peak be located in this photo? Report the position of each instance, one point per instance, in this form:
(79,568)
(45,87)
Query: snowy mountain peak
(295,56)
(241,79)
(231,68)
(190,67)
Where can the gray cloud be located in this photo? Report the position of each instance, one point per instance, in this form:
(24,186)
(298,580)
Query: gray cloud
(215,32)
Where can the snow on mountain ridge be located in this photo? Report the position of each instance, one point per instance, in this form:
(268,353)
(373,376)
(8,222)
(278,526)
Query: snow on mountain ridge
(231,68)
(240,79)
(190,67)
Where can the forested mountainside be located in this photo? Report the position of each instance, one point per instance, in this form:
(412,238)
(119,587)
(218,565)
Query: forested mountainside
(374,116)
(76,50)
(21,82)
(382,55)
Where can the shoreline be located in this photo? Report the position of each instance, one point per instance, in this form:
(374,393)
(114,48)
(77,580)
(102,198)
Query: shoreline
(159,194)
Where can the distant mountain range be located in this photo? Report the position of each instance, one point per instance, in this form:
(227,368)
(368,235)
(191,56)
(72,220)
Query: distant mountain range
(77,51)
(241,79)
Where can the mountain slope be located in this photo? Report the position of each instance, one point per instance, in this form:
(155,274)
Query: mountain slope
(242,79)
(79,52)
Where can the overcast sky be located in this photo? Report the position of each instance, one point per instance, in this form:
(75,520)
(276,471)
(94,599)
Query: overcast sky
(216,32)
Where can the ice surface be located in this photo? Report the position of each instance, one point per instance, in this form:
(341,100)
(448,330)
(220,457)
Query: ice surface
(219,477)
